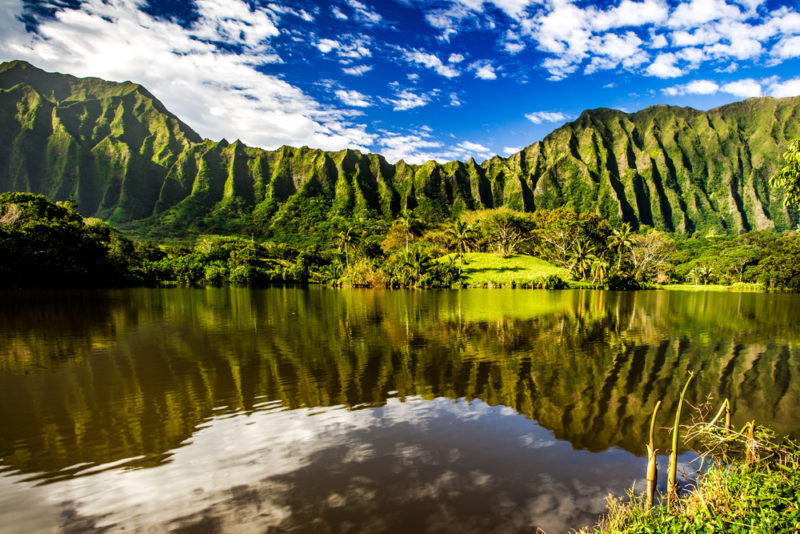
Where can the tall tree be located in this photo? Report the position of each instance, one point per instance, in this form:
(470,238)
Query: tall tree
(789,176)
(345,238)
(461,235)
(620,240)
(582,257)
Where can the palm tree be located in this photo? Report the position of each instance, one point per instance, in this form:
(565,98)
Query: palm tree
(462,234)
(345,237)
(599,269)
(620,240)
(582,257)
(407,222)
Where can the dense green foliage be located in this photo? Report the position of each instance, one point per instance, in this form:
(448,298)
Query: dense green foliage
(789,176)
(121,156)
(45,243)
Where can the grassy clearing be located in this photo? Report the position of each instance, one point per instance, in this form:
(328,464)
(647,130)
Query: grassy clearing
(482,269)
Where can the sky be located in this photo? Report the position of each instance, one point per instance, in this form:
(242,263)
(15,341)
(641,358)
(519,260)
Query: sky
(412,79)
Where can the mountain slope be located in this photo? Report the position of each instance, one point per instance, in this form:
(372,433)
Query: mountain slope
(116,151)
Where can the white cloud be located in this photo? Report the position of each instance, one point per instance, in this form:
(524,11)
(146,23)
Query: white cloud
(687,33)
(358,70)
(455,58)
(410,148)
(664,66)
(484,71)
(788,47)
(326,45)
(696,87)
(693,14)
(787,88)
(630,13)
(454,100)
(430,61)
(338,13)
(743,88)
(739,48)
(219,94)
(513,47)
(538,117)
(364,13)
(406,99)
(468,149)
(353,98)
(511,150)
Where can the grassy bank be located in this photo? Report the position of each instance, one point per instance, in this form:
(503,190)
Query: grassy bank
(490,270)
(753,485)
(738,287)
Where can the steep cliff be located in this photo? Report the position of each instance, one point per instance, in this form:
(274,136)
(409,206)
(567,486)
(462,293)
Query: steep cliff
(120,155)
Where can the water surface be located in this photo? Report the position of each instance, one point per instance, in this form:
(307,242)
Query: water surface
(295,410)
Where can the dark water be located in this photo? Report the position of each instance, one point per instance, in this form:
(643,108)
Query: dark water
(291,410)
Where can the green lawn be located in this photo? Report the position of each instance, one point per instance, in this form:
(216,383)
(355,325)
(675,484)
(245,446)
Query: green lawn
(482,269)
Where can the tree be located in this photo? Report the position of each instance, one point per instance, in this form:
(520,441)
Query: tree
(599,269)
(789,176)
(461,235)
(345,238)
(409,224)
(650,253)
(508,230)
(620,240)
(582,258)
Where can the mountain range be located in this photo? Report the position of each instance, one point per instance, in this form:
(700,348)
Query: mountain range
(121,156)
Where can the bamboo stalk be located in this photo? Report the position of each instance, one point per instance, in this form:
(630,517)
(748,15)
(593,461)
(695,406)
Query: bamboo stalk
(652,472)
(672,469)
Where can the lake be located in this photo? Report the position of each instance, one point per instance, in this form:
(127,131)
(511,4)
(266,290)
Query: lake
(315,410)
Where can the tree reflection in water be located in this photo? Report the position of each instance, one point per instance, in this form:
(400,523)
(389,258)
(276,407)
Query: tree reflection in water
(93,385)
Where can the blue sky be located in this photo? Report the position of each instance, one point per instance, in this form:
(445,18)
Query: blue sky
(412,79)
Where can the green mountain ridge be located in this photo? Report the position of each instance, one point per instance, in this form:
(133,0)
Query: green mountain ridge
(117,152)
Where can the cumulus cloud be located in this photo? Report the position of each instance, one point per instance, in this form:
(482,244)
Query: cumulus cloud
(420,147)
(454,100)
(484,70)
(664,66)
(455,58)
(357,70)
(786,88)
(468,149)
(353,98)
(696,87)
(412,148)
(538,117)
(406,99)
(788,47)
(511,150)
(430,61)
(743,88)
(218,93)
(627,33)
(338,13)
(364,13)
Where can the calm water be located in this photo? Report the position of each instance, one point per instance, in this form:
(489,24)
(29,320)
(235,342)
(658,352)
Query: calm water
(308,410)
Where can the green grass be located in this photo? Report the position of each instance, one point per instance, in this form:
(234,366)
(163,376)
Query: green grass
(482,269)
(734,495)
(738,287)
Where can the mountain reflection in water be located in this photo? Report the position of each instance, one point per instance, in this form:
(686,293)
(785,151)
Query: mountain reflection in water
(306,409)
